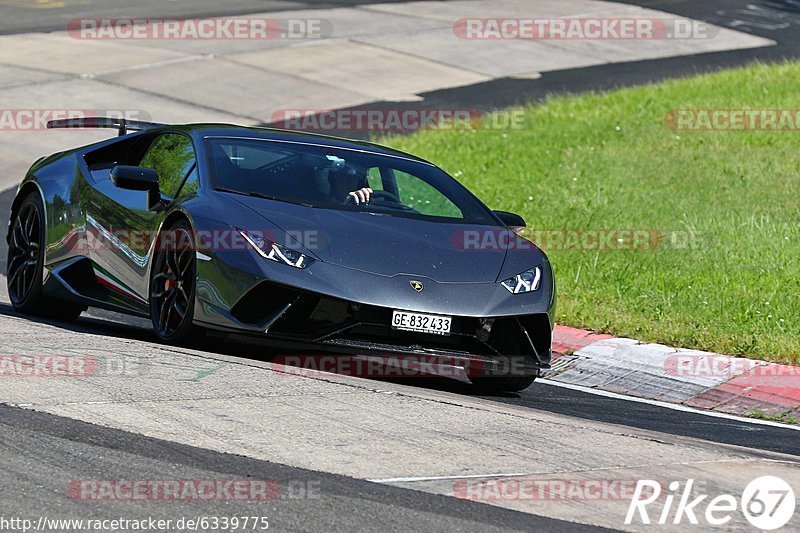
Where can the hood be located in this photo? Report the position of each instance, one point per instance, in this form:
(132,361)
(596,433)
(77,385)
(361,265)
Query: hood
(389,245)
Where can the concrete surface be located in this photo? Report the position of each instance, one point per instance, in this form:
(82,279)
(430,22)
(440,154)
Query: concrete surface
(389,51)
(58,52)
(20,148)
(11,76)
(377,72)
(251,93)
(495,59)
(346,23)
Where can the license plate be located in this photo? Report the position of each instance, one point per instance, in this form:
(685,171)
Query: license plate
(435,324)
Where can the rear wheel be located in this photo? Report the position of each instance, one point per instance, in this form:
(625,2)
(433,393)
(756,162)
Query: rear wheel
(172,284)
(25,264)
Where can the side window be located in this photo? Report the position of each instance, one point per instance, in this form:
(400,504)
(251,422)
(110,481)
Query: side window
(171,156)
(424,198)
(374,179)
(192,183)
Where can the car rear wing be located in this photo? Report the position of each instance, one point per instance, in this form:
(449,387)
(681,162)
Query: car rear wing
(122,125)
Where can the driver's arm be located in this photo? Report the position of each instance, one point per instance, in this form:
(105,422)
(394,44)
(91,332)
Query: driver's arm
(361,195)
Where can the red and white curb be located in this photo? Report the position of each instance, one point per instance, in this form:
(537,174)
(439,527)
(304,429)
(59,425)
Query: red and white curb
(704,380)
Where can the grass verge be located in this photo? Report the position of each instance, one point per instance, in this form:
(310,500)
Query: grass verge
(723,275)
(784,418)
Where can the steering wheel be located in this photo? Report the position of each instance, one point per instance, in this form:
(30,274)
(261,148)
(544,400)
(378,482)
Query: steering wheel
(386,196)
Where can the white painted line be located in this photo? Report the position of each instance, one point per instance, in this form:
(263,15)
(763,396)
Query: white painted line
(143,66)
(667,405)
(444,478)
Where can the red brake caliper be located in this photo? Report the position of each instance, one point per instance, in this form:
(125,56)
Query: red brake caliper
(169,283)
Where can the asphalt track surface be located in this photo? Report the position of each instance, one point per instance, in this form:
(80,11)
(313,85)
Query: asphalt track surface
(38,447)
(42,453)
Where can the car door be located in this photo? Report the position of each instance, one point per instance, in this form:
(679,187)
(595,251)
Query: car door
(124,229)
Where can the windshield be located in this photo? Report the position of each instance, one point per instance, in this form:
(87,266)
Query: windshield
(327,178)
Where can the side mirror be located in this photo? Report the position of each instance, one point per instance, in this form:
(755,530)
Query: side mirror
(138,179)
(510,219)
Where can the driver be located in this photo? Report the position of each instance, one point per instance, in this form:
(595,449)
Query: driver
(349,184)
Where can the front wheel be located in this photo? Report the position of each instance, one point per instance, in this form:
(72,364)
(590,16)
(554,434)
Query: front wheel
(172,284)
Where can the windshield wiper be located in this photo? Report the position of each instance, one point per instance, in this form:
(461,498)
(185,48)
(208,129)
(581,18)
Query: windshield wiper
(249,193)
(385,207)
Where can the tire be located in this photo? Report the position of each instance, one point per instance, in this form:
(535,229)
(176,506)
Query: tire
(173,284)
(25,264)
(503,384)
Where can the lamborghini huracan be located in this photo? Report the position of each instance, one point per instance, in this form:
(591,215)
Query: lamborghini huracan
(298,240)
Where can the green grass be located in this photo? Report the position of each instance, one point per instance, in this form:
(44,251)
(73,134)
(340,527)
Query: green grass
(784,418)
(608,161)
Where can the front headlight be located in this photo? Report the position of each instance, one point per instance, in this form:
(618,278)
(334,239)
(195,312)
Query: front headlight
(527,281)
(276,252)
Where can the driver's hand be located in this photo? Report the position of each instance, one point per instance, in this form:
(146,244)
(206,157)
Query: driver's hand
(361,195)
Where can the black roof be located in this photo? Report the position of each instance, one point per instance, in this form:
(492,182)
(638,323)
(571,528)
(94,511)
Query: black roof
(228,130)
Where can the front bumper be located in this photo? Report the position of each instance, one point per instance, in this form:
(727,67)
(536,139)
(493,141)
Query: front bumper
(341,310)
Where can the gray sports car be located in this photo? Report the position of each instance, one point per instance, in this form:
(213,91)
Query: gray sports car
(304,241)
